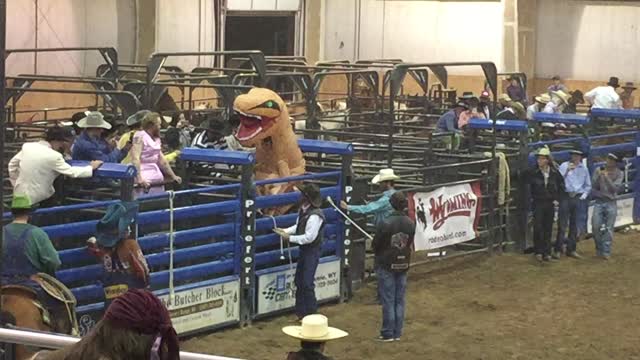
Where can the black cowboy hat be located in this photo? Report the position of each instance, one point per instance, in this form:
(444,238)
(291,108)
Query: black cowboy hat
(578,95)
(59,133)
(312,193)
(614,82)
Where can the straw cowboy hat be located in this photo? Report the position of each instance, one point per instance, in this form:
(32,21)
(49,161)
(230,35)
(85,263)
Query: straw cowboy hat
(562,95)
(504,97)
(544,152)
(543,98)
(94,119)
(314,328)
(385,175)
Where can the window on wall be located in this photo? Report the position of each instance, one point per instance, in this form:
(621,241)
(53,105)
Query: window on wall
(273,35)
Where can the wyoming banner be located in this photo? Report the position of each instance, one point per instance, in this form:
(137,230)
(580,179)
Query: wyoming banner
(445,216)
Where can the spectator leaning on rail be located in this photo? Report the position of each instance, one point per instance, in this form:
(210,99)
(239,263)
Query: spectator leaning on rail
(136,326)
(392,247)
(559,101)
(573,203)
(313,334)
(605,97)
(90,145)
(147,157)
(545,186)
(448,122)
(509,109)
(34,169)
(115,245)
(134,122)
(538,105)
(308,232)
(607,184)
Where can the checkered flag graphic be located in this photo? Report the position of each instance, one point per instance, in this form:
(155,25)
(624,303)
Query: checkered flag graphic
(270,293)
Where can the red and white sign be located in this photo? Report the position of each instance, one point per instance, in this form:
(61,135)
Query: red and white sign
(445,216)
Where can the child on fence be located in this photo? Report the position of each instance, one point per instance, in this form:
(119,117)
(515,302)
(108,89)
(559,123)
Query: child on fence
(115,245)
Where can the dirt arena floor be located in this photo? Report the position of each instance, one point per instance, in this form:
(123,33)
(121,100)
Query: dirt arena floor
(503,307)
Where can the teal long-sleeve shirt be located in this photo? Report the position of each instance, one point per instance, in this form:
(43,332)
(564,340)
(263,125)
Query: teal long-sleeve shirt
(38,249)
(380,209)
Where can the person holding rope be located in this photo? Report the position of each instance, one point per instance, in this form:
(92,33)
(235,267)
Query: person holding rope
(308,232)
(381,208)
(546,187)
(147,157)
(607,183)
(572,204)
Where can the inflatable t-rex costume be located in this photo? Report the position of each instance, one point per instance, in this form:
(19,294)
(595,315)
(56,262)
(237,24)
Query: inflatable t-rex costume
(265,125)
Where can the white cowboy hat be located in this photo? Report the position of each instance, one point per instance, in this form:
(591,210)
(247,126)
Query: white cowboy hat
(315,328)
(385,175)
(562,95)
(543,98)
(94,119)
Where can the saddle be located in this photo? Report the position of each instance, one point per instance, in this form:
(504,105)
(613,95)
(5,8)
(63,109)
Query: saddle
(60,292)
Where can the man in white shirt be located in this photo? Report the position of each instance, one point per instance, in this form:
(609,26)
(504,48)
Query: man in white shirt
(34,169)
(308,233)
(605,97)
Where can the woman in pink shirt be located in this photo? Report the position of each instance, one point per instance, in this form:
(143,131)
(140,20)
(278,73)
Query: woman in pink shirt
(146,156)
(471,113)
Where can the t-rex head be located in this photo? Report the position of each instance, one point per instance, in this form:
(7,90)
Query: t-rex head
(262,114)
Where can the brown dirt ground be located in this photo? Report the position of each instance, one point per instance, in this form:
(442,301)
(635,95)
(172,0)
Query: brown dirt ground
(501,307)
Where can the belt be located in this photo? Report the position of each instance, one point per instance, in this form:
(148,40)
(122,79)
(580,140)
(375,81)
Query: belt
(574,194)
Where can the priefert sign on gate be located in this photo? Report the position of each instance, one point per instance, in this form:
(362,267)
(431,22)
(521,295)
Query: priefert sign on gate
(446,216)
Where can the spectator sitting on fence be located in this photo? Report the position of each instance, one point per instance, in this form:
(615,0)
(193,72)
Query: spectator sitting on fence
(34,169)
(90,145)
(509,109)
(515,91)
(392,247)
(607,184)
(115,245)
(313,334)
(577,97)
(472,112)
(136,326)
(557,85)
(147,157)
(483,106)
(605,97)
(559,100)
(448,122)
(134,122)
(538,105)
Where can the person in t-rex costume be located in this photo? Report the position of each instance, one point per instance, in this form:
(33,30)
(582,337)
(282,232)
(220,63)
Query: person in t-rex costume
(265,125)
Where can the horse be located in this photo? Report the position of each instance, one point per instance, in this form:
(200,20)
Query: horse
(24,305)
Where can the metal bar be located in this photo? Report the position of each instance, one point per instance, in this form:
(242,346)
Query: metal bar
(51,341)
(3,113)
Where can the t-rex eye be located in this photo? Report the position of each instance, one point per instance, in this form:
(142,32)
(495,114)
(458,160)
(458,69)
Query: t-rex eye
(269,104)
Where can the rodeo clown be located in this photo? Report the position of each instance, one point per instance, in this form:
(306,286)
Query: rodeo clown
(308,233)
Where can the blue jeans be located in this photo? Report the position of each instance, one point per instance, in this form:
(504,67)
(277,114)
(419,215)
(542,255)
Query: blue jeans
(602,222)
(308,260)
(569,214)
(393,287)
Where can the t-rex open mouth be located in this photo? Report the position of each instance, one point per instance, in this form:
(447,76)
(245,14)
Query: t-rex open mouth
(252,125)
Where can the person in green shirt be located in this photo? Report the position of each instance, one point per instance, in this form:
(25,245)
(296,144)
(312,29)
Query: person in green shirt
(26,250)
